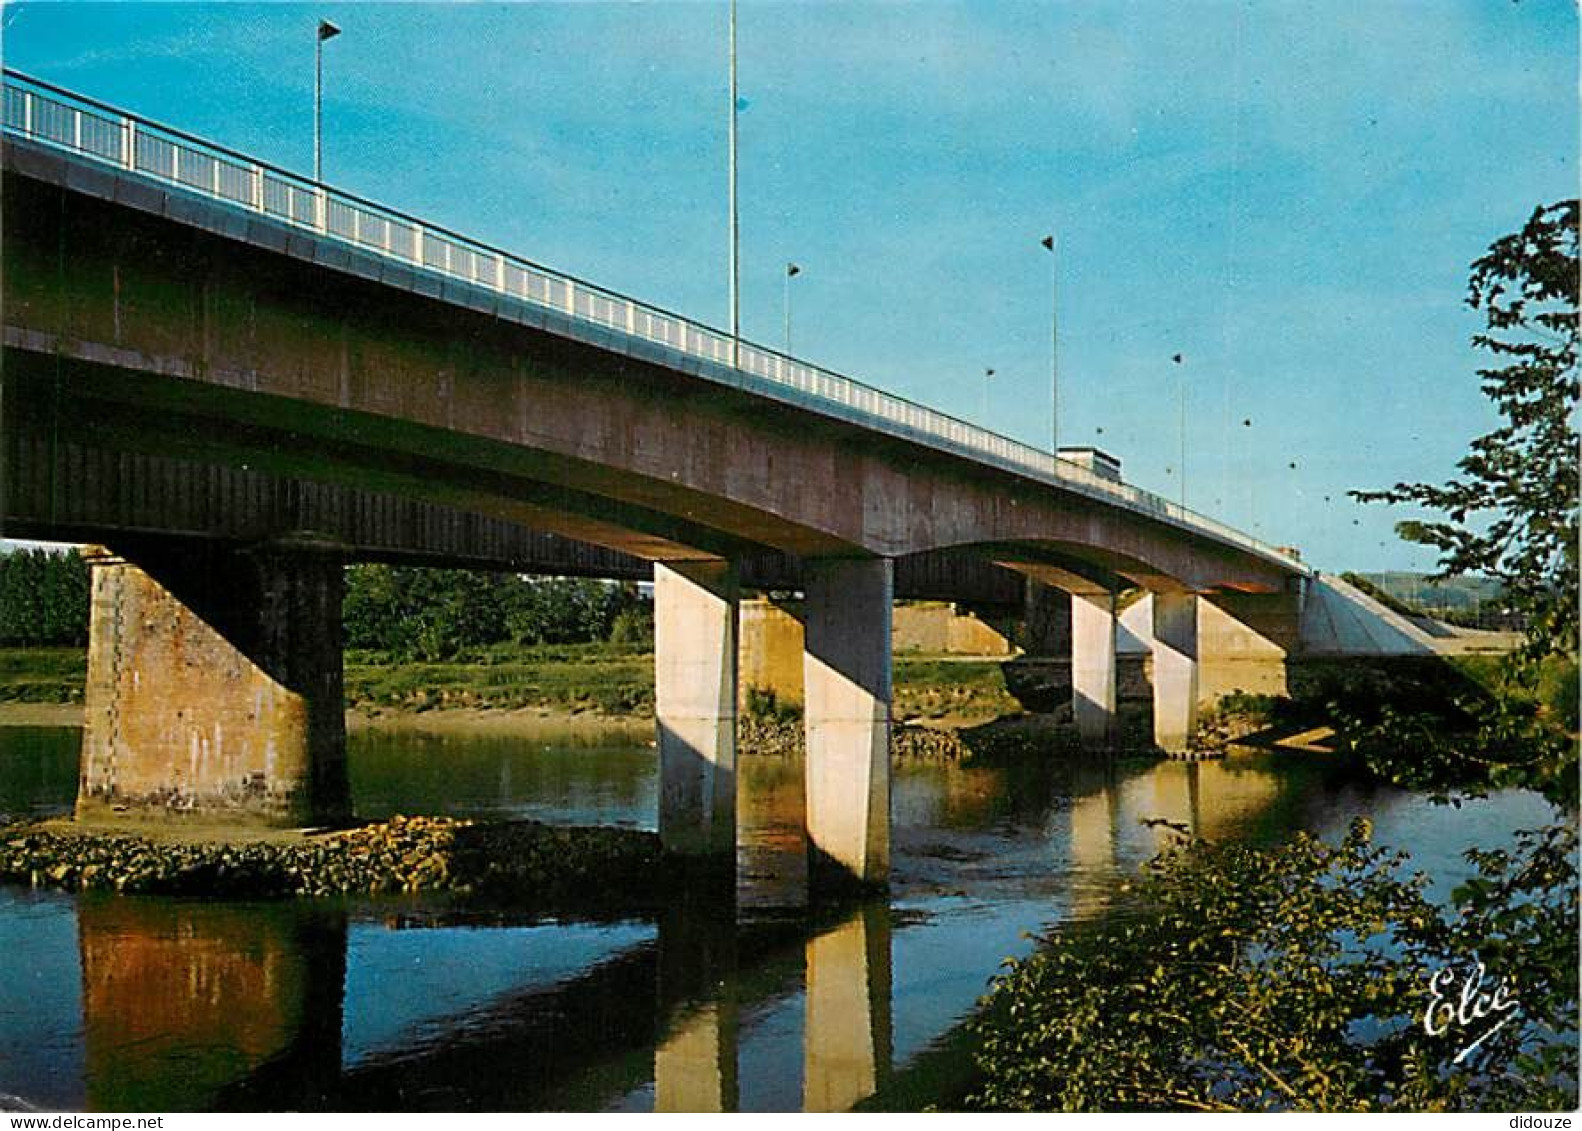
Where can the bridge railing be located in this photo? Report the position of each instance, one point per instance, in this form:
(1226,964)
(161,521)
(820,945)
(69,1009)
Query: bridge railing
(46,113)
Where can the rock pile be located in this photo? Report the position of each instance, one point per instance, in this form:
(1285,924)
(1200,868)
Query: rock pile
(783,738)
(404,854)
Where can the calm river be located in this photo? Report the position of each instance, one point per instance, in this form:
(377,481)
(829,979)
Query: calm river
(136,1003)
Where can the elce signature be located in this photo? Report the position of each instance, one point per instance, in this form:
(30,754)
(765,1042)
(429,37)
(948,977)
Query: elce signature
(1460,1000)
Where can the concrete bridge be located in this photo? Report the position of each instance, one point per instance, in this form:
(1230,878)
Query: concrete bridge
(240,379)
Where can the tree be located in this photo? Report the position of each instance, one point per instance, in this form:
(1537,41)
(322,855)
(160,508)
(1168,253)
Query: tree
(1511,514)
(43,598)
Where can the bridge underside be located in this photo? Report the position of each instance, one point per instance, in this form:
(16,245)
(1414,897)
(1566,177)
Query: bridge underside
(172,372)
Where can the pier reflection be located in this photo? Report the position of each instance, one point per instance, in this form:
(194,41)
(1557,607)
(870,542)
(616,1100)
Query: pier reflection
(695,1060)
(847,1036)
(186,1006)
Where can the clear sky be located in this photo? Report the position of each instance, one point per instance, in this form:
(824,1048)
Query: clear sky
(1287,195)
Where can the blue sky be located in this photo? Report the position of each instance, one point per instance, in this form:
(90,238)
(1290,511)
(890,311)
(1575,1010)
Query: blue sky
(1286,194)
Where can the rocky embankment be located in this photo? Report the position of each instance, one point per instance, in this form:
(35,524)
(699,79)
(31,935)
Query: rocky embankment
(524,860)
(1003,740)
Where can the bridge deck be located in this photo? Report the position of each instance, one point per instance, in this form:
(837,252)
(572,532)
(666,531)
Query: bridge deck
(107,152)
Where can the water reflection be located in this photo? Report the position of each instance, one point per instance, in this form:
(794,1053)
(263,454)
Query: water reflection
(584,775)
(38,773)
(711,1006)
(695,1060)
(187,1006)
(847,1038)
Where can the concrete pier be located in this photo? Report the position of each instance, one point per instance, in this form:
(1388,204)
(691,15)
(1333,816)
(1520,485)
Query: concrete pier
(214,688)
(847,676)
(1093,667)
(695,706)
(1175,651)
(770,651)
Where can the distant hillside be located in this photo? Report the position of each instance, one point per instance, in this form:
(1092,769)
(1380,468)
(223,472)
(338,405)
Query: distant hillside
(1473,602)
(1418,591)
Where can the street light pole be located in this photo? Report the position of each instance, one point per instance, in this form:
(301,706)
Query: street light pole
(1181,420)
(1051,245)
(792,271)
(326,30)
(735,250)
(1181,393)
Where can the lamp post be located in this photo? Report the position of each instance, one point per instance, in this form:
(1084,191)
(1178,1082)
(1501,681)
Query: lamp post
(792,271)
(1252,482)
(1051,244)
(987,375)
(735,238)
(326,30)
(1181,420)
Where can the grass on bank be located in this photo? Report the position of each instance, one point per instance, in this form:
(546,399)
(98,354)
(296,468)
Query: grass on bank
(42,675)
(609,679)
(615,680)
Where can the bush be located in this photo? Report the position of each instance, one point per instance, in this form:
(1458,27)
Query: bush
(1293,978)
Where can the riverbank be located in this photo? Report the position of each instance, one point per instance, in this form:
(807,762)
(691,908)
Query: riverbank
(955,739)
(560,681)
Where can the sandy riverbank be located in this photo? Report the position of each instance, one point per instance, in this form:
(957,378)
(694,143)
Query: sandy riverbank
(527,720)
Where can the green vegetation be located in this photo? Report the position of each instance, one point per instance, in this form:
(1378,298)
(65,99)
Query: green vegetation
(1290,978)
(1381,595)
(43,598)
(935,688)
(1511,514)
(611,679)
(439,614)
(619,680)
(42,675)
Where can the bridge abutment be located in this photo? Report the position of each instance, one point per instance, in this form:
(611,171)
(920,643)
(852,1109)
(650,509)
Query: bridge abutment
(214,688)
(1175,654)
(695,607)
(847,681)
(1093,696)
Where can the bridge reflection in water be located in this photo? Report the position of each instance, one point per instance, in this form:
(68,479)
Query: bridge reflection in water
(193,1006)
(187,1005)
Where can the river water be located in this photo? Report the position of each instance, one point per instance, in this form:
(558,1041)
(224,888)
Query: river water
(136,1003)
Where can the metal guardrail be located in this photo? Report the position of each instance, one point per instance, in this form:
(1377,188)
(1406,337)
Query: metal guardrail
(50,114)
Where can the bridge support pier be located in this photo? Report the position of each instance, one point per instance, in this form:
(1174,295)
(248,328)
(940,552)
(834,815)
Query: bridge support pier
(1175,654)
(695,706)
(847,682)
(214,688)
(771,651)
(1093,667)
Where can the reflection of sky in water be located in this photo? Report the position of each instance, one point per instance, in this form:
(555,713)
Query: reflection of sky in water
(406,988)
(41,1051)
(943,965)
